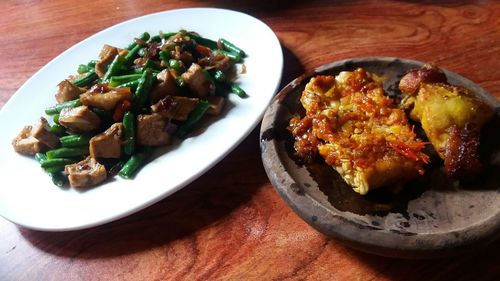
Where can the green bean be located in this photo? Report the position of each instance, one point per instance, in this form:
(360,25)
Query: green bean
(164,56)
(132,54)
(232,56)
(115,167)
(57,129)
(155,38)
(193,118)
(131,84)
(74,140)
(208,75)
(116,67)
(180,82)
(65,152)
(103,114)
(129,131)
(118,80)
(84,68)
(86,79)
(141,70)
(58,107)
(56,176)
(55,118)
(144,37)
(138,70)
(203,41)
(40,156)
(151,64)
(56,162)
(143,88)
(219,75)
(232,48)
(176,65)
(238,91)
(142,52)
(134,163)
(168,35)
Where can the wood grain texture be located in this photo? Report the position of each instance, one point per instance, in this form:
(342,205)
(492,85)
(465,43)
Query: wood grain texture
(231,224)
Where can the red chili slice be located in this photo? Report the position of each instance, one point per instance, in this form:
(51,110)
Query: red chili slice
(120,110)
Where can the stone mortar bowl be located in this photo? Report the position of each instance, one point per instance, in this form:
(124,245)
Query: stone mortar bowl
(431,217)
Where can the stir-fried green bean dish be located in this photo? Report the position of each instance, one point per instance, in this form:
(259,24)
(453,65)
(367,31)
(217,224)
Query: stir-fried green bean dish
(110,115)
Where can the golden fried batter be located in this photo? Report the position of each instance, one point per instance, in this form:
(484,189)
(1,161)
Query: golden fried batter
(451,117)
(358,131)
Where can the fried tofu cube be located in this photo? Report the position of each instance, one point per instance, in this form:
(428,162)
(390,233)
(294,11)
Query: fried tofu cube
(79,119)
(87,172)
(197,81)
(152,130)
(34,139)
(175,107)
(107,144)
(41,132)
(67,91)
(26,144)
(358,131)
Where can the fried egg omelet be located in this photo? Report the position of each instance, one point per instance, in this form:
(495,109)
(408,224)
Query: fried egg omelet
(451,117)
(358,130)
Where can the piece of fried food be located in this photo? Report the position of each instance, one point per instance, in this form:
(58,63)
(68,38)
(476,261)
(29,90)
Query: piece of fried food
(358,131)
(451,117)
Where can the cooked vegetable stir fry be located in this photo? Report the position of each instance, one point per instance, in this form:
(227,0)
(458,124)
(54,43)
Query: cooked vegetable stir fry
(110,115)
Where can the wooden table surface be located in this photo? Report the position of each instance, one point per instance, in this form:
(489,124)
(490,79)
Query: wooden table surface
(230,224)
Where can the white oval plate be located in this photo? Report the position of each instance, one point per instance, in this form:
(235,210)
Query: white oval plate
(27,195)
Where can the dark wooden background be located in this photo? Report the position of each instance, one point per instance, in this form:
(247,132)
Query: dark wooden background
(230,224)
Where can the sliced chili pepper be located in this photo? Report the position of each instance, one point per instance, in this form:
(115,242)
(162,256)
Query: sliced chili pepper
(203,50)
(120,110)
(413,152)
